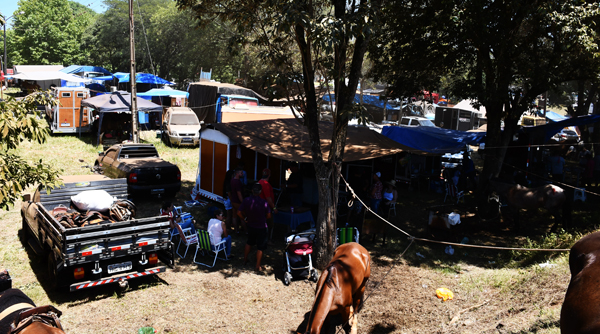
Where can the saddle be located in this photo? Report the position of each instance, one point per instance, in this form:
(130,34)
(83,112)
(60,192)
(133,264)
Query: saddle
(121,210)
(47,315)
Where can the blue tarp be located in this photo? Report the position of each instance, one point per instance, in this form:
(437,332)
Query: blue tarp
(84,68)
(433,139)
(367,99)
(554,117)
(551,129)
(164,92)
(143,78)
(107,77)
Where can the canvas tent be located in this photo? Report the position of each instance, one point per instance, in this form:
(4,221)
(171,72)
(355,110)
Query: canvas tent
(81,70)
(117,102)
(268,144)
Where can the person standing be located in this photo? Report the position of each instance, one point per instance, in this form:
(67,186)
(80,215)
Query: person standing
(255,211)
(294,185)
(218,230)
(236,198)
(376,192)
(389,197)
(557,164)
(267,194)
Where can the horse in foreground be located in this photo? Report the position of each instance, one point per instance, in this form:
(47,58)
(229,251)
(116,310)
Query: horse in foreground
(19,315)
(341,288)
(549,197)
(581,310)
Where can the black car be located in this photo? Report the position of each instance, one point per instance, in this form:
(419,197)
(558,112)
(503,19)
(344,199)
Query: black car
(145,171)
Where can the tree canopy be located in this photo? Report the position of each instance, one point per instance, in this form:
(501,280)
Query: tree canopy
(19,121)
(503,54)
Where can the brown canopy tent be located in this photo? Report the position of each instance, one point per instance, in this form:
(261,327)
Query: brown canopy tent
(262,144)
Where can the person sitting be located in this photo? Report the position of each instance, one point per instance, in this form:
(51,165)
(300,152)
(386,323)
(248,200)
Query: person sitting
(390,196)
(218,230)
(168,209)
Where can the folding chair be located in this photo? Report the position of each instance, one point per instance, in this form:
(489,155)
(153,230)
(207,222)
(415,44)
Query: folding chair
(392,209)
(205,244)
(188,237)
(452,191)
(345,235)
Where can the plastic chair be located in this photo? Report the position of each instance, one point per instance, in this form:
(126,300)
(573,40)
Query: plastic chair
(579,195)
(188,237)
(392,209)
(452,191)
(205,244)
(345,235)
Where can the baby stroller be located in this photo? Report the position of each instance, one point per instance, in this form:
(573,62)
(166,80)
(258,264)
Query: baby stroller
(298,261)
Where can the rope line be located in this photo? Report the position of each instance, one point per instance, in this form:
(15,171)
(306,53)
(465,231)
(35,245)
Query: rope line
(444,242)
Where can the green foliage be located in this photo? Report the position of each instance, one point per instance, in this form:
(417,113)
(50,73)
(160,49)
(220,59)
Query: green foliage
(19,121)
(49,32)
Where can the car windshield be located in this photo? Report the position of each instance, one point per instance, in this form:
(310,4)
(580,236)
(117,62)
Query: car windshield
(184,119)
(426,122)
(137,152)
(570,132)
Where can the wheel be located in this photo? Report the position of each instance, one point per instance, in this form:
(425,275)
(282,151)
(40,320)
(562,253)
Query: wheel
(287,278)
(314,275)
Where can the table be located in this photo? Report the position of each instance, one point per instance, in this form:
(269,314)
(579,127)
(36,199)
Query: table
(293,219)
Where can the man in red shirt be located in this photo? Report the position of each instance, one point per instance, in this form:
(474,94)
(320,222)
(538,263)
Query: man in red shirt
(267,194)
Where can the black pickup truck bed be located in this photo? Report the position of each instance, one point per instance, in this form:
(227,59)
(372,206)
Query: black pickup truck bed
(83,257)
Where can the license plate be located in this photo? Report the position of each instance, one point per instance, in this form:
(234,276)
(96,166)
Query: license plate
(186,140)
(157,191)
(116,268)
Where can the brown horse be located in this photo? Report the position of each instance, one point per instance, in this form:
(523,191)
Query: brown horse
(581,310)
(341,288)
(549,197)
(18,314)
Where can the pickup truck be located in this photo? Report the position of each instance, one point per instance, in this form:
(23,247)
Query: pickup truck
(145,171)
(95,254)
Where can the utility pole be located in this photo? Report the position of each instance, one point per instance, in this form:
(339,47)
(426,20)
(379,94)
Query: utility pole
(132,78)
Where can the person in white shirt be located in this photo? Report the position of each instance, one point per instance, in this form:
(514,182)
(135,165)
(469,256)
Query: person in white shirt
(218,230)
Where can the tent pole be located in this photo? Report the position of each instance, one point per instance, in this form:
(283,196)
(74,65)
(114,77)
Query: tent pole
(132,78)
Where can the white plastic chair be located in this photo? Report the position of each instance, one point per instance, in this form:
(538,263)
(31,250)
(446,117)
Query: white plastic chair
(204,244)
(188,237)
(392,209)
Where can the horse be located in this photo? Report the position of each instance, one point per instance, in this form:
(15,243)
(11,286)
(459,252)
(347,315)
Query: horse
(19,315)
(580,311)
(550,197)
(341,288)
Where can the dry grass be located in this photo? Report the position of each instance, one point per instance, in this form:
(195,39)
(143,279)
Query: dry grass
(490,296)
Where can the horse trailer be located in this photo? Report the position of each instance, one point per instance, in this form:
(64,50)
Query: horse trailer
(65,117)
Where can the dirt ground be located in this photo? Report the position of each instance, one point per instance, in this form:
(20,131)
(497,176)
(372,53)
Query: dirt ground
(489,296)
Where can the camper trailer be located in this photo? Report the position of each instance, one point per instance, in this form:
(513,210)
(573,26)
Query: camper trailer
(65,117)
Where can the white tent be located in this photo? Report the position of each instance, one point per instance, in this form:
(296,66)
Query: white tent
(468,105)
(37,68)
(44,79)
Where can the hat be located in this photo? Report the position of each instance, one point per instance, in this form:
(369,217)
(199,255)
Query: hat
(266,172)
(378,174)
(391,183)
(256,187)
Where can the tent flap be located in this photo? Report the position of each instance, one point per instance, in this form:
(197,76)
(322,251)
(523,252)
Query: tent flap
(432,139)
(118,102)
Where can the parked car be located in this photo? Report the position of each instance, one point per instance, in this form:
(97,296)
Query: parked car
(140,164)
(181,127)
(566,136)
(415,121)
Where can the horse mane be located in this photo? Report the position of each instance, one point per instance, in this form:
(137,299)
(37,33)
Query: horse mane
(328,280)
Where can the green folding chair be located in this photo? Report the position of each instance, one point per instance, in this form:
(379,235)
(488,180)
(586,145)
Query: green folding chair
(345,235)
(204,245)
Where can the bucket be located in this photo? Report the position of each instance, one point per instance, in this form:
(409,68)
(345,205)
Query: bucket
(158,134)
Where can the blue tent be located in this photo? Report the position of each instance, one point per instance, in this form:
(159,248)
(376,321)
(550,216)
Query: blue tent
(367,99)
(143,78)
(554,117)
(432,139)
(164,92)
(84,68)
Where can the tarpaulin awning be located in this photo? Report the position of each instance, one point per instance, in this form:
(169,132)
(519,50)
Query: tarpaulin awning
(44,75)
(164,92)
(432,139)
(551,129)
(287,139)
(118,102)
(143,78)
(85,68)
(37,68)
(554,117)
(367,99)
